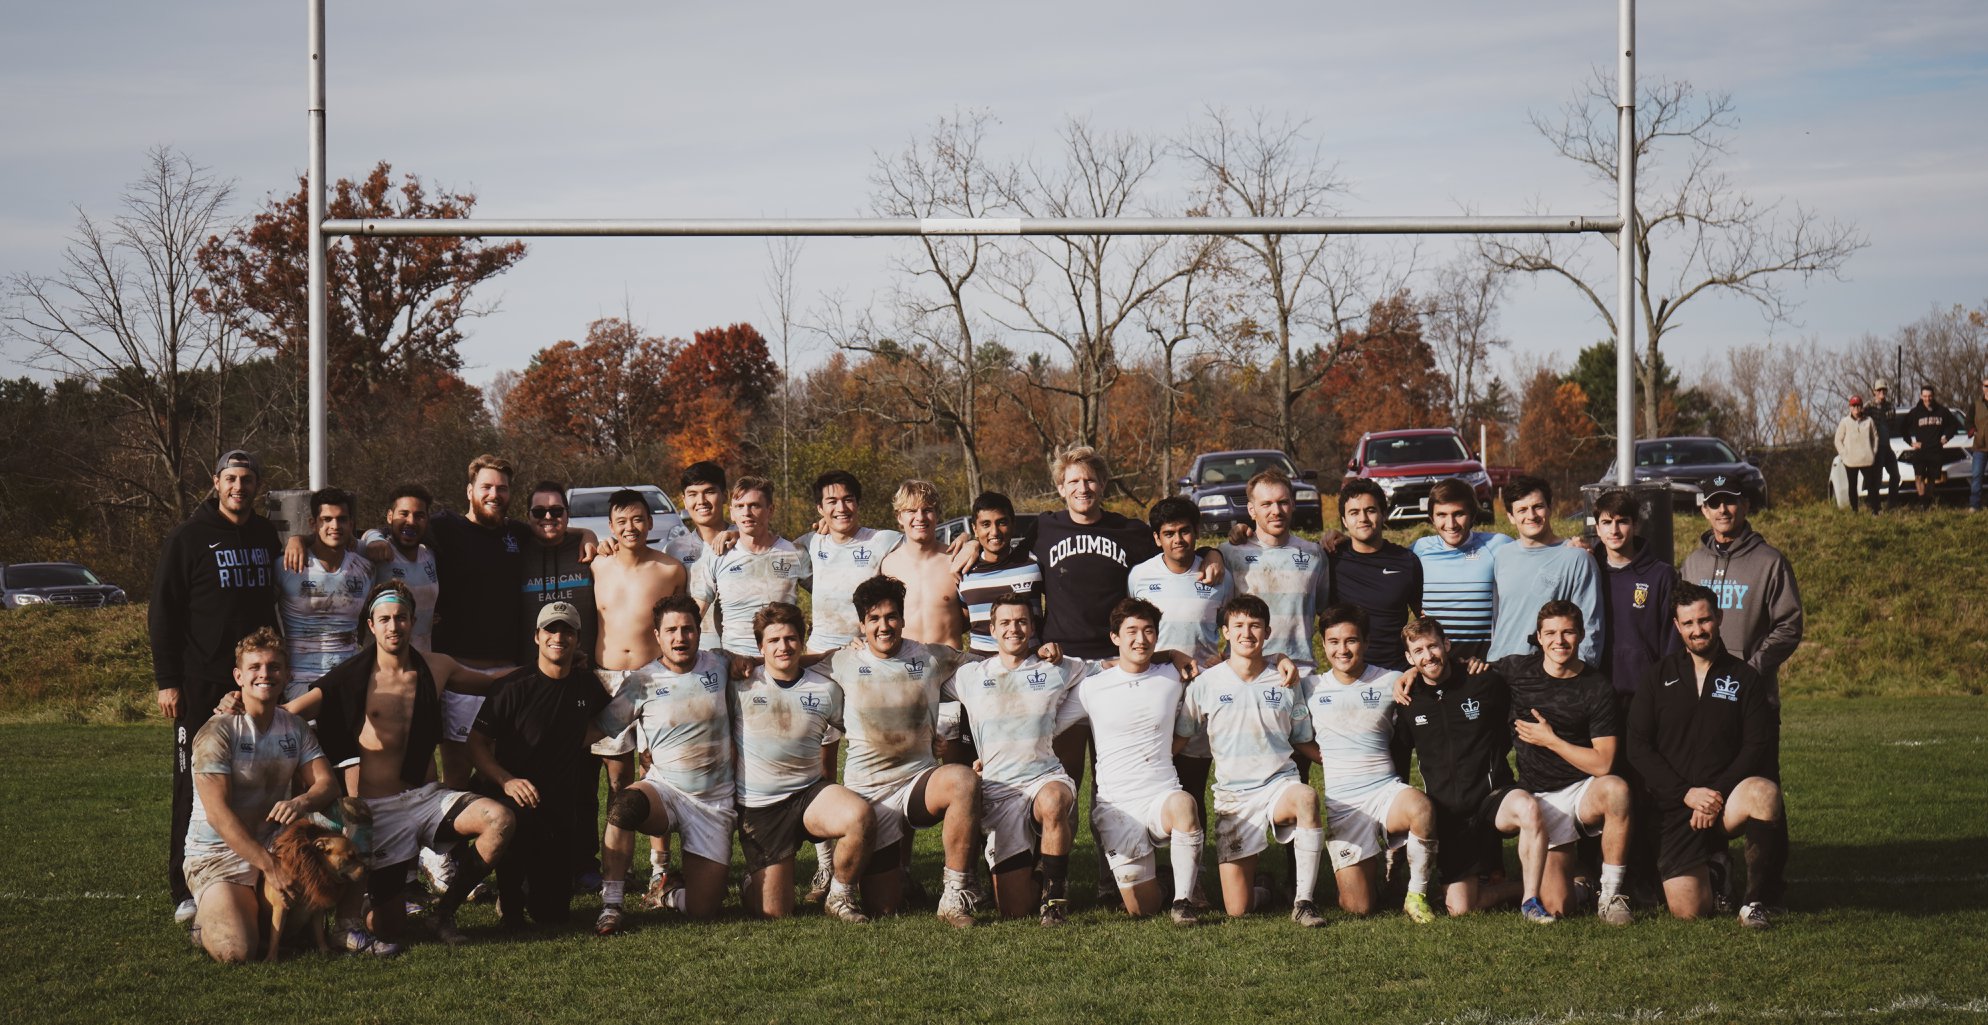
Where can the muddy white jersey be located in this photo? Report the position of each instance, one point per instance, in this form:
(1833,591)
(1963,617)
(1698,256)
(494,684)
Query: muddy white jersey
(261,768)
(890,709)
(321,611)
(838,567)
(739,583)
(1251,725)
(688,546)
(1132,717)
(1290,578)
(1354,725)
(1012,713)
(778,728)
(681,719)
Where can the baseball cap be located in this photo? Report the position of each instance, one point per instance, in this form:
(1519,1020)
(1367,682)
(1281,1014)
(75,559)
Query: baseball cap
(1856,400)
(238,458)
(1880,385)
(559,612)
(1716,490)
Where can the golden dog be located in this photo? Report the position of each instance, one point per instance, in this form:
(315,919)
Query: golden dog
(320,862)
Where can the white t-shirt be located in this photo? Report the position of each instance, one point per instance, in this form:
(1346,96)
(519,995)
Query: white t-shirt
(1132,719)
(1251,726)
(778,729)
(1354,724)
(890,709)
(838,567)
(1013,712)
(682,720)
(261,770)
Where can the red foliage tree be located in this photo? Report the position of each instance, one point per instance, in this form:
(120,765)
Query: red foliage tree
(604,396)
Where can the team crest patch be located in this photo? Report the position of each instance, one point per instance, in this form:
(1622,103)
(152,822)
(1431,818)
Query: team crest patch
(737,567)
(1323,698)
(1300,560)
(783,564)
(510,544)
(1152,588)
(1036,679)
(287,744)
(1726,687)
(1421,720)
(915,668)
(860,556)
(862,670)
(987,683)
(1249,560)
(1228,699)
(1371,697)
(1201,590)
(1641,596)
(760,699)
(811,702)
(710,680)
(1273,696)
(1471,709)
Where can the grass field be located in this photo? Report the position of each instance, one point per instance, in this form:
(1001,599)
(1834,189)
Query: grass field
(1889,923)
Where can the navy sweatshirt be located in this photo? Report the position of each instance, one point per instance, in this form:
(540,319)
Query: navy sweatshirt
(1636,613)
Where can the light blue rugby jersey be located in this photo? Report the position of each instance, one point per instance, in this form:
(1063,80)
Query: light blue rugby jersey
(1459,585)
(1251,726)
(778,730)
(1188,607)
(1012,713)
(838,567)
(683,720)
(1290,578)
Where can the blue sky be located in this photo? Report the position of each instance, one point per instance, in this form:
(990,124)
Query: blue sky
(1867,113)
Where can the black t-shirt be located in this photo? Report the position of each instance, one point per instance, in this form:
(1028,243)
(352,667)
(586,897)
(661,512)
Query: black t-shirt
(1388,585)
(478,609)
(538,728)
(1579,710)
(557,574)
(1083,575)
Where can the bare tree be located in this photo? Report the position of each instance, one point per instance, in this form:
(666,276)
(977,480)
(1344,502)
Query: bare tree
(1078,291)
(1946,348)
(1260,167)
(1697,233)
(781,257)
(1176,320)
(935,348)
(124,315)
(1462,328)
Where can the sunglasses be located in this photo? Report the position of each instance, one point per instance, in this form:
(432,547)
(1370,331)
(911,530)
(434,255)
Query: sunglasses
(548,512)
(1720,501)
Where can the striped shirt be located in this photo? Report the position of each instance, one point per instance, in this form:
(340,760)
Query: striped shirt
(1016,572)
(1459,585)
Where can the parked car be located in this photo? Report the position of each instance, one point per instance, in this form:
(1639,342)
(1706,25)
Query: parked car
(1957,462)
(62,584)
(1693,465)
(587,507)
(1217,482)
(1022,531)
(1407,463)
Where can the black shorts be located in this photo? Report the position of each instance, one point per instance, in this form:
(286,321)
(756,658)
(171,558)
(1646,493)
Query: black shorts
(1468,844)
(1681,848)
(772,834)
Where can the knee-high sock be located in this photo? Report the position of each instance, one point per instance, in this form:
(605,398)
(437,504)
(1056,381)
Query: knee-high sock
(470,870)
(1055,876)
(1307,847)
(1421,859)
(1185,851)
(1766,861)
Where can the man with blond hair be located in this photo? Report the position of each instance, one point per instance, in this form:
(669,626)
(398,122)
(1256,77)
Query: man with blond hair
(932,612)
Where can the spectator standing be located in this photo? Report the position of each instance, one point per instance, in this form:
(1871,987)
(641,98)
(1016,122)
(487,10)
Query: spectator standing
(1885,415)
(1977,449)
(1857,445)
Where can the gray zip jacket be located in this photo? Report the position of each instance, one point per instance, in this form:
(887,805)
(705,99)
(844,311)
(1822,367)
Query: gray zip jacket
(1762,622)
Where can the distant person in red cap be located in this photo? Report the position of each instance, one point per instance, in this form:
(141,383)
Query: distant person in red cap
(1857,443)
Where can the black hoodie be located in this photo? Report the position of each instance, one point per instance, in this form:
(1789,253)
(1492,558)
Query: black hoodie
(216,584)
(1636,615)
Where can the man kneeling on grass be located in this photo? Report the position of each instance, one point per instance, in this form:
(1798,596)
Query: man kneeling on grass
(781,714)
(244,768)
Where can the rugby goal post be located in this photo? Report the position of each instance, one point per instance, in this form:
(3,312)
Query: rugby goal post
(1622,225)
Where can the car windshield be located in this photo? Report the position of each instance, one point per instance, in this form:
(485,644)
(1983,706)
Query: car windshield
(1684,452)
(1415,448)
(1239,469)
(594,503)
(49,576)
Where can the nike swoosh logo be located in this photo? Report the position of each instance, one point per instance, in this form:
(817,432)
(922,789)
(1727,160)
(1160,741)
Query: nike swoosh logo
(216,544)
(1669,682)
(1389,572)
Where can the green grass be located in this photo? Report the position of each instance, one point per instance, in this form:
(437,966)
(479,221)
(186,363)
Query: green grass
(1889,924)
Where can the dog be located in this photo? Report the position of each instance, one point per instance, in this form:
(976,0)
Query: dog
(320,862)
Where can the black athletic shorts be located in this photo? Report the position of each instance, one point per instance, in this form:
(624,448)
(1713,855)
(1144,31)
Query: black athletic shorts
(1681,848)
(1468,843)
(772,834)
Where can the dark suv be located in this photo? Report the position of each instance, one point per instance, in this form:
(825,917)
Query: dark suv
(1406,464)
(1218,480)
(60,584)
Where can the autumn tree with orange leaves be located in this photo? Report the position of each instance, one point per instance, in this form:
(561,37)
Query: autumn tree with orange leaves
(1557,440)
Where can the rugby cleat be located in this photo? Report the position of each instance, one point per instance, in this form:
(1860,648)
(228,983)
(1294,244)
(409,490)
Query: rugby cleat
(1615,910)
(1183,913)
(1754,916)
(184,912)
(843,906)
(1305,913)
(818,889)
(660,894)
(437,871)
(1055,911)
(1535,912)
(608,923)
(1416,907)
(956,908)
(359,941)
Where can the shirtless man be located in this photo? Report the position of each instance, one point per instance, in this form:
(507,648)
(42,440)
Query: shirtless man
(627,586)
(379,719)
(931,574)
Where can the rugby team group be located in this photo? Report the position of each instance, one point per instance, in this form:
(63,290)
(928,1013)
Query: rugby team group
(447,690)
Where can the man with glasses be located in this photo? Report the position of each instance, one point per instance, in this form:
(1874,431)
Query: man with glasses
(1758,601)
(556,569)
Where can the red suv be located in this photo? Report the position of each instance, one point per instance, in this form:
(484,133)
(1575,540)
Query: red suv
(1407,463)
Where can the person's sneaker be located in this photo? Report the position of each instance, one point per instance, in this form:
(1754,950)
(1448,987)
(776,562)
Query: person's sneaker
(1754,916)
(818,889)
(436,871)
(608,922)
(184,912)
(1055,911)
(1615,910)
(956,908)
(843,906)
(1535,912)
(1183,913)
(657,897)
(1416,907)
(359,941)
(444,927)
(1305,913)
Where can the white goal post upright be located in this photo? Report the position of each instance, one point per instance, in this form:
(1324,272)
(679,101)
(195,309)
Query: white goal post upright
(1621,225)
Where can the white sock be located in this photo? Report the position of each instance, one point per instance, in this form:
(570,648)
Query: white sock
(837,887)
(678,899)
(955,880)
(1421,858)
(825,853)
(1611,879)
(611,891)
(1185,848)
(1308,845)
